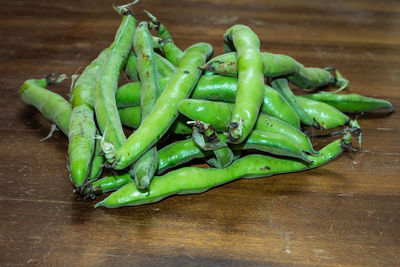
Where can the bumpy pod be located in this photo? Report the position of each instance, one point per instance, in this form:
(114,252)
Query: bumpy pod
(250,90)
(352,103)
(165,110)
(193,180)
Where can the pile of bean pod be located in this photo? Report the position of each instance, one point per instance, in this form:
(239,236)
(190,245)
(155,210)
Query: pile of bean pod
(235,111)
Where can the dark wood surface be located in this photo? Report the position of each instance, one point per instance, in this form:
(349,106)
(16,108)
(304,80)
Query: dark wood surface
(344,213)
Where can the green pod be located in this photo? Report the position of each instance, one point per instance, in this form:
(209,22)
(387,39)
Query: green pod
(106,85)
(352,103)
(131,117)
(162,31)
(273,125)
(53,106)
(217,114)
(282,86)
(97,161)
(146,166)
(165,110)
(214,113)
(82,126)
(223,88)
(223,157)
(56,109)
(277,65)
(147,69)
(82,131)
(277,106)
(250,90)
(109,183)
(218,88)
(171,52)
(165,68)
(206,138)
(181,152)
(128,95)
(193,180)
(274,143)
(178,153)
(327,116)
(310,78)
(131,68)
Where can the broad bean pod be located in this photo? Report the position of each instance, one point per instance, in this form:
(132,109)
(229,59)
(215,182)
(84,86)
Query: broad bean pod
(171,52)
(217,114)
(56,109)
(165,110)
(250,90)
(145,167)
(327,116)
(193,180)
(218,88)
(82,126)
(352,103)
(277,65)
(181,152)
(131,117)
(282,86)
(106,85)
(53,106)
(165,68)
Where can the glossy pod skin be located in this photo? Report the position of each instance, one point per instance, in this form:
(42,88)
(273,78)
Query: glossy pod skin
(277,65)
(250,90)
(131,68)
(165,68)
(106,85)
(217,114)
(171,52)
(146,166)
(327,116)
(131,117)
(351,103)
(282,86)
(181,152)
(170,156)
(165,110)
(223,88)
(53,106)
(218,88)
(56,109)
(82,126)
(97,162)
(128,95)
(193,180)
(274,143)
(109,183)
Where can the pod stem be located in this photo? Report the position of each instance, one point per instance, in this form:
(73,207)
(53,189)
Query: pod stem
(234,131)
(154,22)
(340,81)
(204,136)
(123,9)
(53,78)
(110,153)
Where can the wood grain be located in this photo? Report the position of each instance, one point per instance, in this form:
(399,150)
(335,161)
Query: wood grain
(344,213)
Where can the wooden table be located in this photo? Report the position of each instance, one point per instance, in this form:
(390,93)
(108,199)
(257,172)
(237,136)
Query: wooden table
(344,213)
